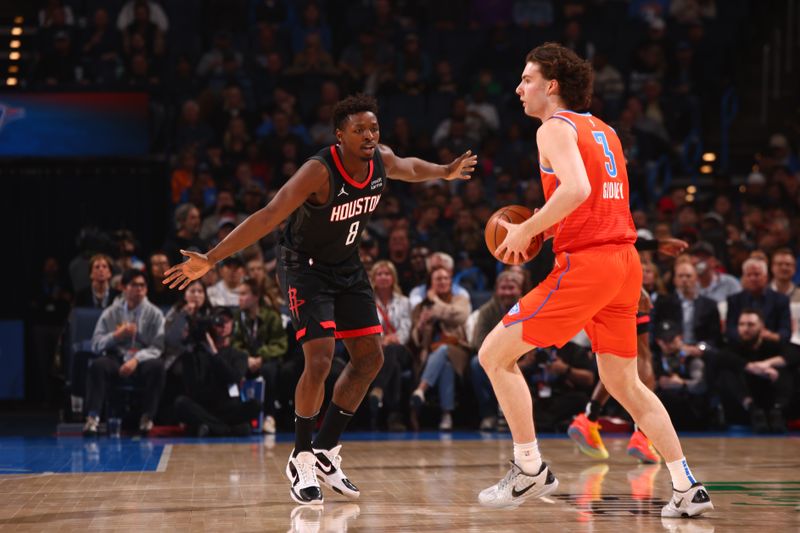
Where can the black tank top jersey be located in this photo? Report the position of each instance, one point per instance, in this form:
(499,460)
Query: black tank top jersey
(331,233)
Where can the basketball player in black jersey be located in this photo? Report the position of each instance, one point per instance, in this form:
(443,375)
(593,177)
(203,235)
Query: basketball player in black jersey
(328,203)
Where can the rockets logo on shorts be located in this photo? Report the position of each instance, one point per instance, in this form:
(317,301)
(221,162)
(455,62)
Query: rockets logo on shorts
(514,310)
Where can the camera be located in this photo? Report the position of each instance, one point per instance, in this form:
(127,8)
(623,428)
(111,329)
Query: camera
(199,325)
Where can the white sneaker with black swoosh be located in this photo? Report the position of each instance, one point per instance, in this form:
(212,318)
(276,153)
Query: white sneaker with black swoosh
(518,486)
(691,502)
(329,472)
(301,471)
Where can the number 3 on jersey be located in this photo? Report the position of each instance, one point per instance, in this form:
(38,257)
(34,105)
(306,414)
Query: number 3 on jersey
(611,165)
(353,233)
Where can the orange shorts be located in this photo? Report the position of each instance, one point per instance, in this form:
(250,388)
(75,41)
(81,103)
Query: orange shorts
(596,290)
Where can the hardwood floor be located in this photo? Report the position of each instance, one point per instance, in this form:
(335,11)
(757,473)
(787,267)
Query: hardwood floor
(407,485)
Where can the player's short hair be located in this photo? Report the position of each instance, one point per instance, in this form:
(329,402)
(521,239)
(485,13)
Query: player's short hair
(574,75)
(353,104)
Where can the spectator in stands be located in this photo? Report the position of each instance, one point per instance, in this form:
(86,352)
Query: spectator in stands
(680,378)
(130,338)
(755,294)
(101,49)
(226,291)
(211,63)
(311,22)
(159,294)
(756,374)
(260,334)
(784,267)
(56,13)
(322,130)
(99,294)
(432,261)
(313,59)
(507,291)
(192,131)
(697,315)
(439,336)
(562,380)
(156,14)
(141,25)
(127,247)
(187,235)
(194,305)
(58,65)
(394,312)
(400,255)
(212,373)
(714,284)
(428,230)
(608,83)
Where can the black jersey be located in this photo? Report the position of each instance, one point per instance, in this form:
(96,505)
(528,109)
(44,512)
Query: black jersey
(330,233)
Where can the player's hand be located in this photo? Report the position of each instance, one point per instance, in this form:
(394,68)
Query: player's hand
(128,368)
(461,168)
(182,274)
(514,248)
(671,247)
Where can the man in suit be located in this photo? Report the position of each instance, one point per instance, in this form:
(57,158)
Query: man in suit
(755,294)
(696,315)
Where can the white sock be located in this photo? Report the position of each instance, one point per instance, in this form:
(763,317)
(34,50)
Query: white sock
(527,457)
(682,478)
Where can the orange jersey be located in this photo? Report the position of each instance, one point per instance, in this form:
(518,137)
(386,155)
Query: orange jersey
(605,216)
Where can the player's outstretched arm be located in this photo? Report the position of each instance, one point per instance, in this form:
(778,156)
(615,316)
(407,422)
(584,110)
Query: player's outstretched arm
(311,179)
(415,169)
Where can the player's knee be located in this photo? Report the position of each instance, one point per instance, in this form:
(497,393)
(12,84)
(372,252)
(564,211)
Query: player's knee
(369,364)
(318,366)
(487,362)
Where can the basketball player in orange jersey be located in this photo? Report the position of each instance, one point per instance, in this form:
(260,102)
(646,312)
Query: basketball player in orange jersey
(595,283)
(328,202)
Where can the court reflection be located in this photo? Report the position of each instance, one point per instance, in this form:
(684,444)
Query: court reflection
(327,518)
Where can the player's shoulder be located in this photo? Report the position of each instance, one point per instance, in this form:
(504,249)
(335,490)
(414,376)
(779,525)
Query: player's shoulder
(314,169)
(556,129)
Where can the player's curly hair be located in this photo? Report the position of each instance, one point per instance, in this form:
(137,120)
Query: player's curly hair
(574,75)
(355,103)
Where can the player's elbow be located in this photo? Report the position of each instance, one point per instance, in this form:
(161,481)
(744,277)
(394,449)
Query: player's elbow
(584,191)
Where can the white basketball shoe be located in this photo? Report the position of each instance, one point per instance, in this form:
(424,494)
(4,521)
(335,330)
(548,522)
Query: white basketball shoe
(302,472)
(517,486)
(691,502)
(329,472)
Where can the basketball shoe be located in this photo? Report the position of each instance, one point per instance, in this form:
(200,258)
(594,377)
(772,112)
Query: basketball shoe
(586,435)
(302,472)
(691,502)
(329,472)
(640,447)
(517,486)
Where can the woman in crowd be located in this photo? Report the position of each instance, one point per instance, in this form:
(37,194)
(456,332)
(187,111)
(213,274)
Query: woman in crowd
(394,311)
(440,337)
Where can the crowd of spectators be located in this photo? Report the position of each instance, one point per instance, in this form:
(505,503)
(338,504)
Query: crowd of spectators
(241,92)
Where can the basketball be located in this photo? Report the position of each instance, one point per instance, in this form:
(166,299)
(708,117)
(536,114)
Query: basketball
(495,233)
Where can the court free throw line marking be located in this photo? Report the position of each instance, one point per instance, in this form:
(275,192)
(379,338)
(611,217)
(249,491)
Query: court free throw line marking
(162,463)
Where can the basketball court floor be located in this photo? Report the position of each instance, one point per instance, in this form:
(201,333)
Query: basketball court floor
(413,482)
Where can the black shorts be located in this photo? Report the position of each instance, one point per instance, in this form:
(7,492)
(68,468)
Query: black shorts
(642,323)
(327,301)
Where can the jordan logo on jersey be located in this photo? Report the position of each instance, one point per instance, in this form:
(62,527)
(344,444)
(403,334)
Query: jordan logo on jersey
(343,192)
